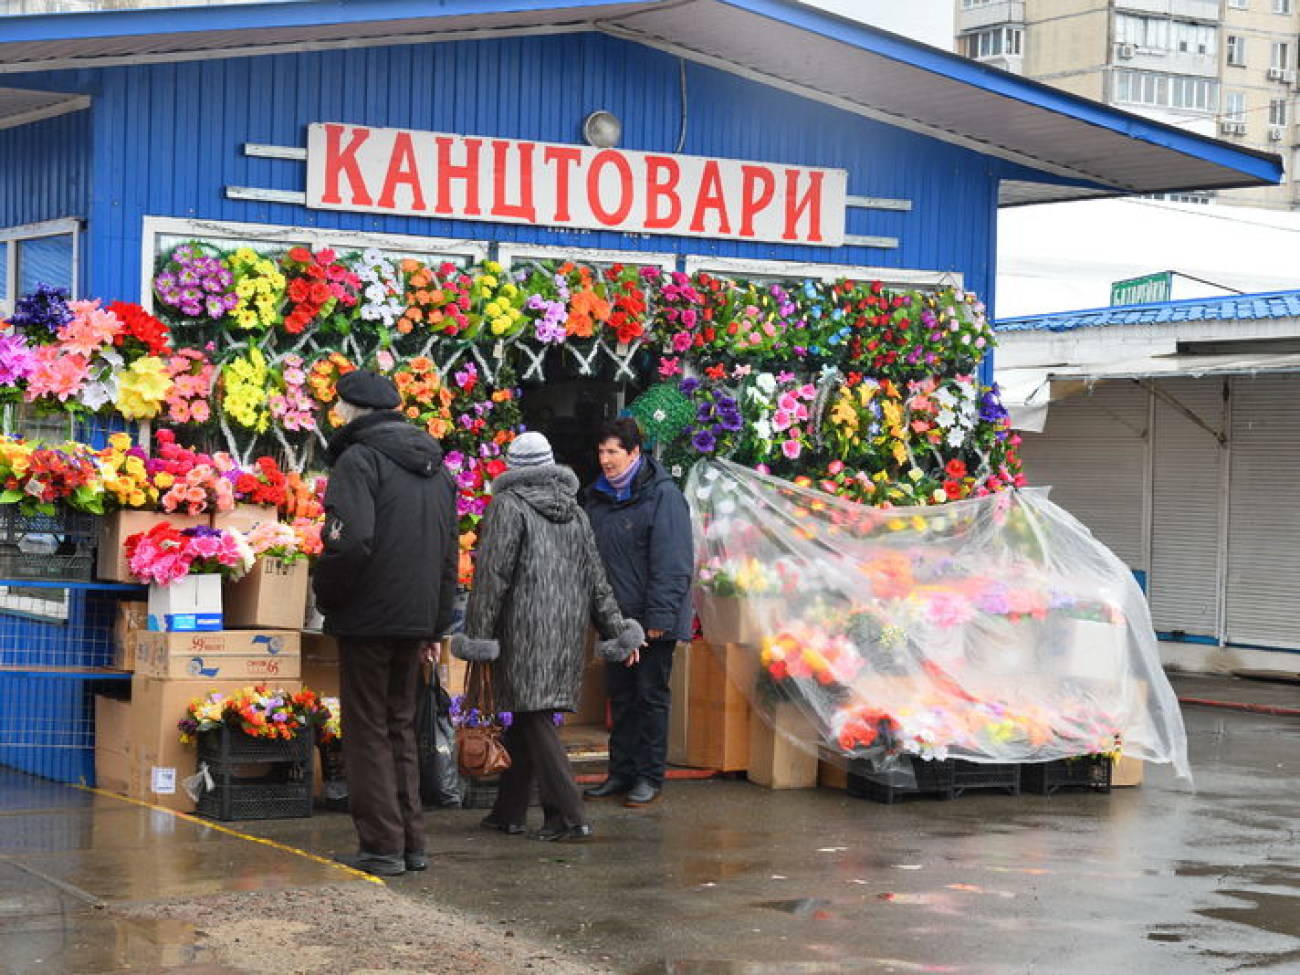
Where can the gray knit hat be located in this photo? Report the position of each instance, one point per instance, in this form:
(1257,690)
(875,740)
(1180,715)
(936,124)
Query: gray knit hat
(529,449)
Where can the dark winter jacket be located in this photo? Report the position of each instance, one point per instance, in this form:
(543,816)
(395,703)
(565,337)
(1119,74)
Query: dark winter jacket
(538,585)
(645,543)
(389,565)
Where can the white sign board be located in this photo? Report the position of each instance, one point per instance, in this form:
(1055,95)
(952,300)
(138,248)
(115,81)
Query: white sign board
(435,174)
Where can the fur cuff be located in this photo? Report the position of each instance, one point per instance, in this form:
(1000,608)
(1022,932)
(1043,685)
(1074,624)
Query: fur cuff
(621,647)
(467,648)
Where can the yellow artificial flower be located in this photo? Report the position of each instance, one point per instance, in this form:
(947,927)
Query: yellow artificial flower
(142,388)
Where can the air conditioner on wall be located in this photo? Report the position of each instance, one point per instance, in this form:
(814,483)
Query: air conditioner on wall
(1276,74)
(1125,51)
(1228,127)
(1275,133)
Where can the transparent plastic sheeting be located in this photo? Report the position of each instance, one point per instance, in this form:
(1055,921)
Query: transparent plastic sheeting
(995,629)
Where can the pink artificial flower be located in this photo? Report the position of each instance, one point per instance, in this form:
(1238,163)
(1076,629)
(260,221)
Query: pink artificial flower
(55,373)
(669,366)
(792,449)
(91,329)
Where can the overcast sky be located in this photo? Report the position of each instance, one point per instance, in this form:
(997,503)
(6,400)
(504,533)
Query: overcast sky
(923,20)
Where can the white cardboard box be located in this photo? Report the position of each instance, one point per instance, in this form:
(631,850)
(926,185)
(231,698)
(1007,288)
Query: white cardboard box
(188,604)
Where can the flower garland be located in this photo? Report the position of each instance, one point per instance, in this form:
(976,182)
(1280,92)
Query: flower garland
(322,291)
(246,398)
(195,282)
(291,405)
(187,400)
(259,290)
(437,301)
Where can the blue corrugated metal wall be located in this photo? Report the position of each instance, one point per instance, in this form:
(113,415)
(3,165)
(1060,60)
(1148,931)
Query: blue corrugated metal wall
(168,138)
(45,170)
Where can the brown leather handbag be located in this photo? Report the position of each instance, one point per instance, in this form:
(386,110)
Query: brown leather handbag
(479,749)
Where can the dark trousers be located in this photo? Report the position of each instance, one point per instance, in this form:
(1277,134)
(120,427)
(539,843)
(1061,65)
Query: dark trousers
(639,701)
(377,685)
(537,755)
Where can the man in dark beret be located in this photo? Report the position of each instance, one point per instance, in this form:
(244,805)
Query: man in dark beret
(385,584)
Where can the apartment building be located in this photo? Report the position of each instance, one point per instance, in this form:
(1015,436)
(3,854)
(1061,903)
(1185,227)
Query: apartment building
(1223,68)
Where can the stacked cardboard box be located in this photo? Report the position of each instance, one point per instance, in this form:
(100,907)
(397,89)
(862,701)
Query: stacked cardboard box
(709,726)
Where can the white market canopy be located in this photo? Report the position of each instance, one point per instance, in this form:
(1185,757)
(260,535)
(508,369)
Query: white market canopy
(1070,147)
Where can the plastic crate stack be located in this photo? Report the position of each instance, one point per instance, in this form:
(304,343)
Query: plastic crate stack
(255,778)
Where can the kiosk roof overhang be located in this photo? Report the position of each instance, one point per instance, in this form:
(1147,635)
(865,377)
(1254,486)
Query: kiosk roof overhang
(1068,147)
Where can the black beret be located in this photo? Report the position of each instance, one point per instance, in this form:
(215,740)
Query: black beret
(375,392)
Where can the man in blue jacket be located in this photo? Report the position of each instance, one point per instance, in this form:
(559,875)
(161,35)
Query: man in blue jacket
(385,582)
(643,531)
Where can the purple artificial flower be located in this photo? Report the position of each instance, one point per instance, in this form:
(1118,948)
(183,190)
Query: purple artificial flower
(42,312)
(688,385)
(16,359)
(991,408)
(704,442)
(730,421)
(550,332)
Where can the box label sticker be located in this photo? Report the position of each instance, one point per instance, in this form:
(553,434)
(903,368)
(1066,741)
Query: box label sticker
(162,781)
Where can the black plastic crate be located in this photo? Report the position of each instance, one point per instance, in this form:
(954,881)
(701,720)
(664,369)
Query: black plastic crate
(58,546)
(229,746)
(978,775)
(932,778)
(1090,772)
(229,802)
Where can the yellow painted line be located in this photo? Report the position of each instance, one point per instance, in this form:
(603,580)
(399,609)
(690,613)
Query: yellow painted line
(199,821)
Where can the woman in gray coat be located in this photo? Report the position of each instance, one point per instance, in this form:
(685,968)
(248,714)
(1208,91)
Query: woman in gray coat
(538,585)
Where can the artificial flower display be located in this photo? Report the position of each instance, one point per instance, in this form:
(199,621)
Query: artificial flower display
(164,553)
(993,629)
(141,333)
(40,478)
(259,289)
(274,539)
(124,469)
(322,291)
(142,388)
(259,711)
(196,283)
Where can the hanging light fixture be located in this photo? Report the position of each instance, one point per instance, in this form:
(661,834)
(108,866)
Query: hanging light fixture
(602,129)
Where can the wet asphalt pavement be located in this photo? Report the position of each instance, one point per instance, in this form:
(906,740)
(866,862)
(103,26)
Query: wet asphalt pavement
(725,877)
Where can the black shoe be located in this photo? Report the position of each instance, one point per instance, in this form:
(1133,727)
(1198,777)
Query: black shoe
(642,794)
(564,834)
(615,785)
(510,829)
(379,864)
(415,862)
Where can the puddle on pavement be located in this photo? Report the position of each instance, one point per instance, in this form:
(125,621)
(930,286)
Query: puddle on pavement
(844,966)
(1274,913)
(1166,936)
(809,907)
(102,942)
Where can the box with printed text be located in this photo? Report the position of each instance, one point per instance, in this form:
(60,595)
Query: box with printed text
(247,655)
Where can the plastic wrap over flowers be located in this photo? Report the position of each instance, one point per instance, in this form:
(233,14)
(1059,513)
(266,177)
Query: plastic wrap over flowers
(994,629)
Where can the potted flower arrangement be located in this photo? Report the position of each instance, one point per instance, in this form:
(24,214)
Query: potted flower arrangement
(184,569)
(260,726)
